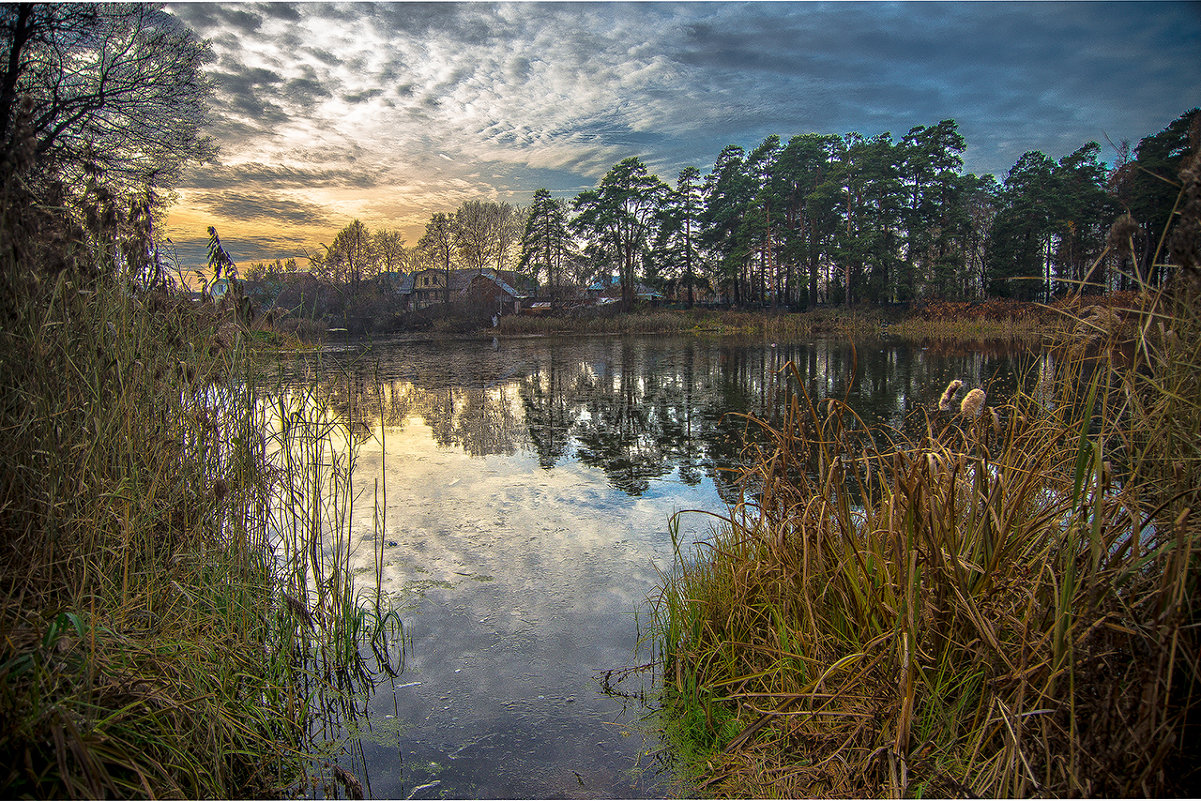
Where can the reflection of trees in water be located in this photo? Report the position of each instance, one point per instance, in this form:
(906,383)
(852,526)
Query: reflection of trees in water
(614,406)
(641,409)
(481,421)
(621,429)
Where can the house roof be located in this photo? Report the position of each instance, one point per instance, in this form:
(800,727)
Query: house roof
(461,280)
(613,282)
(490,275)
(608,282)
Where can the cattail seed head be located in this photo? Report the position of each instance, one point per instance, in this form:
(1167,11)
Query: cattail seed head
(1120,232)
(948,395)
(973,403)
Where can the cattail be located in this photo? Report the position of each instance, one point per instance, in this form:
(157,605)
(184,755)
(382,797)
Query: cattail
(973,403)
(948,395)
(996,420)
(1120,233)
(299,609)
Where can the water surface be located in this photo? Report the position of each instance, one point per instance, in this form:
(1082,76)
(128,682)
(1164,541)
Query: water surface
(529,484)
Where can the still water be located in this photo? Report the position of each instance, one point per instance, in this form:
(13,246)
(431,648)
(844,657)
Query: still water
(525,488)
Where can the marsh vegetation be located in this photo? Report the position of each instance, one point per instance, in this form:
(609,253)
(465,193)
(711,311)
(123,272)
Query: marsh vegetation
(178,615)
(994,600)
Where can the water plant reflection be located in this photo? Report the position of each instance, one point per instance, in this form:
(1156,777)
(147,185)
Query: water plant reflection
(341,637)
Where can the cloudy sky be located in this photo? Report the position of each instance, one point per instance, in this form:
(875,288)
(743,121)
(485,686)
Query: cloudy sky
(391,112)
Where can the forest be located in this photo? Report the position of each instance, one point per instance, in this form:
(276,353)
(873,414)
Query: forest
(819,219)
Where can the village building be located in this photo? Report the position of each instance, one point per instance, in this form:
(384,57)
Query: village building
(608,290)
(496,291)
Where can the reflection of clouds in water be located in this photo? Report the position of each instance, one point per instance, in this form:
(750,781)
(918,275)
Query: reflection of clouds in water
(528,497)
(481,421)
(524,581)
(459,519)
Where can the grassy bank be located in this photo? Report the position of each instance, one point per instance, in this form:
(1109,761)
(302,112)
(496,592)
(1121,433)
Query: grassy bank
(993,321)
(175,603)
(1001,606)
(702,322)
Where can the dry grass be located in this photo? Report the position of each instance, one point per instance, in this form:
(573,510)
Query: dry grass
(175,603)
(783,325)
(1000,605)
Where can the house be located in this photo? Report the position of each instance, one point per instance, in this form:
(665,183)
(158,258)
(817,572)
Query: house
(502,290)
(428,289)
(608,290)
(394,280)
(607,287)
(489,291)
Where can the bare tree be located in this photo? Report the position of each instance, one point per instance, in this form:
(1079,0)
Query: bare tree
(438,243)
(390,250)
(351,257)
(508,235)
(114,87)
(476,224)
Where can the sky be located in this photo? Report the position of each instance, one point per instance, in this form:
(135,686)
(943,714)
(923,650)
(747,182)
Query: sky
(388,113)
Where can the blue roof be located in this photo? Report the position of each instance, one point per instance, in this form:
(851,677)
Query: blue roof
(605,283)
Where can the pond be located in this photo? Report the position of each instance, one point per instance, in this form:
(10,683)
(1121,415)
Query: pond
(525,488)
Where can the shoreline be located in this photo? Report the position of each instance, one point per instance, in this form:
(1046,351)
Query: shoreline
(987,320)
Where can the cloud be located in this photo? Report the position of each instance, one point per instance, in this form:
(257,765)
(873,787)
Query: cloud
(273,176)
(253,206)
(191,252)
(208,19)
(418,104)
(363,96)
(284,11)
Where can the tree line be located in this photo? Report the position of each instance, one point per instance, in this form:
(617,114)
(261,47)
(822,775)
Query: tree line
(846,219)
(821,219)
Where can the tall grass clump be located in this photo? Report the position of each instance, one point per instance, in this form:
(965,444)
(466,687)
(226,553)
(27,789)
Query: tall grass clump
(996,320)
(998,602)
(159,633)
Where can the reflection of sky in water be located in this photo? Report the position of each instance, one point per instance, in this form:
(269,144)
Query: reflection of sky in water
(518,585)
(529,488)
